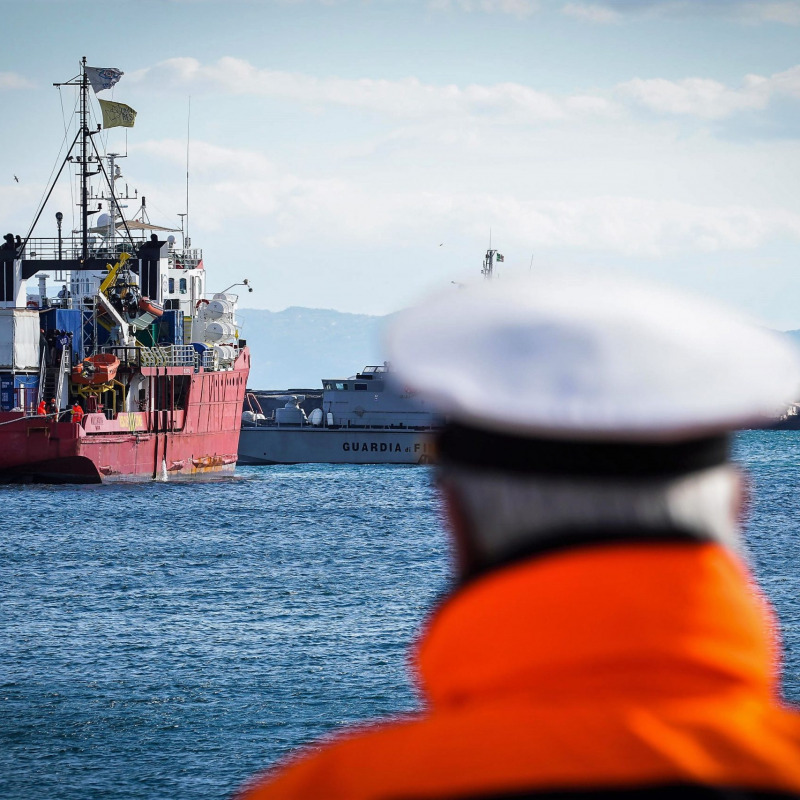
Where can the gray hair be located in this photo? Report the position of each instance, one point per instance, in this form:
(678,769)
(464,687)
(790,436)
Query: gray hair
(509,513)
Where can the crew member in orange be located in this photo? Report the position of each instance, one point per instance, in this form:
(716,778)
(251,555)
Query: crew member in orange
(77,414)
(41,409)
(604,636)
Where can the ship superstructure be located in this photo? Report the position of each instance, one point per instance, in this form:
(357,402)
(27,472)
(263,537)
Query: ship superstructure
(365,419)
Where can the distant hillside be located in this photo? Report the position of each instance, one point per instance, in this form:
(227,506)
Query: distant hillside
(297,347)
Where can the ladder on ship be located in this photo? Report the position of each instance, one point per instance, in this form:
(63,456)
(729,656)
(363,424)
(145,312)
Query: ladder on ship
(51,378)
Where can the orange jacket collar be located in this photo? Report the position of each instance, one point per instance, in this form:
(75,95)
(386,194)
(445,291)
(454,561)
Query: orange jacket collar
(602,623)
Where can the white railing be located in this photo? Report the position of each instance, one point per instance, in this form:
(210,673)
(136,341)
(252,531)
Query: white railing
(185,259)
(173,355)
(220,359)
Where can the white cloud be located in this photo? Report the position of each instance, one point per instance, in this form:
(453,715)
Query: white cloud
(235,187)
(787,82)
(591,12)
(209,159)
(517,8)
(786,12)
(710,99)
(501,103)
(628,226)
(11,80)
(596,179)
(407,98)
(700,97)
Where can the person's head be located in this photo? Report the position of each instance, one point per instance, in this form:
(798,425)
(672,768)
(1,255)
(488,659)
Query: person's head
(587,411)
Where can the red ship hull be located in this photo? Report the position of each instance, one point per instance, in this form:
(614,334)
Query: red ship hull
(192,431)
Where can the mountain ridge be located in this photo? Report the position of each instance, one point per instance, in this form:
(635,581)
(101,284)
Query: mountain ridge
(299,346)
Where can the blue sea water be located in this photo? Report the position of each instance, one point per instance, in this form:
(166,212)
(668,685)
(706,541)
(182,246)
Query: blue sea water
(169,640)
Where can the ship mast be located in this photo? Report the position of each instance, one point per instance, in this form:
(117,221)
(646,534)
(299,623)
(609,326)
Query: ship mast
(488,261)
(89,162)
(82,81)
(84,161)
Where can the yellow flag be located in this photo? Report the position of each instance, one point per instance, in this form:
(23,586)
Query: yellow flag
(117,114)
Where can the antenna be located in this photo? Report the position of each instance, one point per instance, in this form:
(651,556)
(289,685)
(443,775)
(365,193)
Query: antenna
(187,242)
(488,260)
(183,233)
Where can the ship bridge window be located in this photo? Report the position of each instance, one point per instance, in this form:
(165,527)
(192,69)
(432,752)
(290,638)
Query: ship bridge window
(361,387)
(183,286)
(328,386)
(171,285)
(341,386)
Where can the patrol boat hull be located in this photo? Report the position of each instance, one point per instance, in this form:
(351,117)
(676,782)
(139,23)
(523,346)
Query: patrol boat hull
(262,445)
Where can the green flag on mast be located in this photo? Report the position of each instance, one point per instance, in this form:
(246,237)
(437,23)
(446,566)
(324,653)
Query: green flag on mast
(117,114)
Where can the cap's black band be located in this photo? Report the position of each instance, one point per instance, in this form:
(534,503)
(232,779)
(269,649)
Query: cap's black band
(559,540)
(488,450)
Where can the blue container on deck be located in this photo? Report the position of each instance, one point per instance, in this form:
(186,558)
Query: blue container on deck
(170,327)
(66,319)
(18,391)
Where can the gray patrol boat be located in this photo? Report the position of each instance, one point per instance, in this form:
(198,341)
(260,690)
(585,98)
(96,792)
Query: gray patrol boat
(365,419)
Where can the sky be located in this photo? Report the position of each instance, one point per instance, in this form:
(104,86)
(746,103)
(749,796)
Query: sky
(357,154)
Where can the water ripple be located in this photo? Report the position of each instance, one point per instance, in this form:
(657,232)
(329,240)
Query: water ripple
(166,640)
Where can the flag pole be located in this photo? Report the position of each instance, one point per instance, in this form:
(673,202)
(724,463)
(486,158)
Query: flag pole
(188,139)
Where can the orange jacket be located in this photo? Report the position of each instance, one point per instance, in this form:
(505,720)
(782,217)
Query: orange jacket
(602,668)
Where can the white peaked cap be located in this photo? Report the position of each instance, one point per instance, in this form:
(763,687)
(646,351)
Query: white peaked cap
(585,357)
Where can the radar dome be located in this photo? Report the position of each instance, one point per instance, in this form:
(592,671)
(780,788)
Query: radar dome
(104,220)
